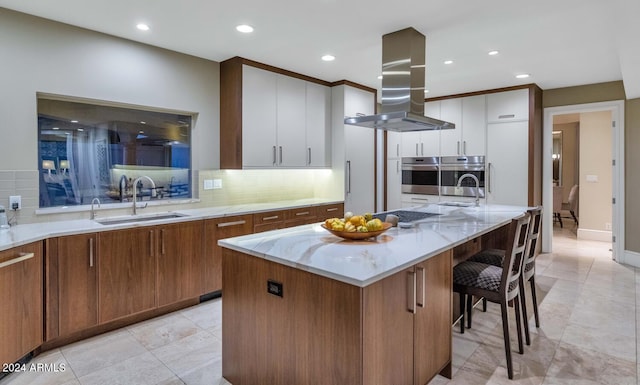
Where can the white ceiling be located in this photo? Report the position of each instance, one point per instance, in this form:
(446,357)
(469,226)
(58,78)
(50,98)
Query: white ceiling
(560,43)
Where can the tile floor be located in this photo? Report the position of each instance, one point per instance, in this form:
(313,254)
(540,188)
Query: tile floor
(587,335)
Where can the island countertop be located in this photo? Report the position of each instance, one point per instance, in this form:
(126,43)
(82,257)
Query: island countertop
(361,263)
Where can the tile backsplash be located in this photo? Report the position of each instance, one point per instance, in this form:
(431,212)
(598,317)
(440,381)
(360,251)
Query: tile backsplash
(238,187)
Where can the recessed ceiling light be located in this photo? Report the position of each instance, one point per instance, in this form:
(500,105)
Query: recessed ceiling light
(492,53)
(143,122)
(74,121)
(244,28)
(448,62)
(55,128)
(142,26)
(328,58)
(80,129)
(522,76)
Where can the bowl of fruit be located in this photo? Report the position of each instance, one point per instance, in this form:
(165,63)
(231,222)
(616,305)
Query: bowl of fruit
(356,227)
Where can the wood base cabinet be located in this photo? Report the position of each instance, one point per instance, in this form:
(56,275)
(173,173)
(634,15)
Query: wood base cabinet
(21,316)
(282,325)
(214,230)
(127,272)
(73,275)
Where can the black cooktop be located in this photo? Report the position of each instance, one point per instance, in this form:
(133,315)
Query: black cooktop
(405,215)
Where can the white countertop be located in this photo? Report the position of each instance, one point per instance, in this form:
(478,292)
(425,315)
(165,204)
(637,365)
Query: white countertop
(23,234)
(361,263)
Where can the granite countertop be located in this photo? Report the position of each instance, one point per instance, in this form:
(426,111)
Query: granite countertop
(361,263)
(27,233)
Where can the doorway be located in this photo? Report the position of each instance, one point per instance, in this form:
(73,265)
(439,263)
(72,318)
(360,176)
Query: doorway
(590,179)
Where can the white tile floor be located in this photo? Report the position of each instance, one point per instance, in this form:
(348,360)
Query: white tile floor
(588,335)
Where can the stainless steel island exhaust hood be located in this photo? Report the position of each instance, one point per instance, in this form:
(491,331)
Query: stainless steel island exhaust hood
(403,74)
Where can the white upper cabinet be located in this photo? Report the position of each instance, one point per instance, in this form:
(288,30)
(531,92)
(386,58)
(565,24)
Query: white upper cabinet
(259,146)
(450,140)
(285,121)
(318,151)
(508,106)
(394,143)
(291,119)
(508,163)
(423,143)
(474,125)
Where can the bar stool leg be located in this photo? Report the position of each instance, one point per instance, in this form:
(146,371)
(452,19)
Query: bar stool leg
(516,307)
(469,309)
(524,313)
(462,301)
(507,342)
(535,300)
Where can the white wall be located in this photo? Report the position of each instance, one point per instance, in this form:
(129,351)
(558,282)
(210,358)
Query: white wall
(49,57)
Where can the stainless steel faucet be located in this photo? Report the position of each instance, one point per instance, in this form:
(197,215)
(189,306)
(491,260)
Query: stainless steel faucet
(135,191)
(93,212)
(475,178)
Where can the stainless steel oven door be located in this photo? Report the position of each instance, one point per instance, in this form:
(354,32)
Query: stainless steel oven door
(452,168)
(420,175)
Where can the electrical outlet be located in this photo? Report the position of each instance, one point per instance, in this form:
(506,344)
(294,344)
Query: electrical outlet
(217,183)
(208,184)
(15,202)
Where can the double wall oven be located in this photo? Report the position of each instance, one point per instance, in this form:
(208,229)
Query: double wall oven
(437,175)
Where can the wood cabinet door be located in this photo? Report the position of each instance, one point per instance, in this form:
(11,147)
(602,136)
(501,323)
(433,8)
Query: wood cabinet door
(179,254)
(126,272)
(432,324)
(388,330)
(214,230)
(330,211)
(77,283)
(21,315)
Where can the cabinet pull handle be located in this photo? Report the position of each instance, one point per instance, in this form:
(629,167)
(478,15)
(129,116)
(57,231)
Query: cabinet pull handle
(397,166)
(151,248)
(303,213)
(280,149)
(270,218)
(162,241)
(507,116)
(464,147)
(90,252)
(489,176)
(348,177)
(332,209)
(422,149)
(398,149)
(458,151)
(411,292)
(274,156)
(235,223)
(21,257)
(309,155)
(417,154)
(421,286)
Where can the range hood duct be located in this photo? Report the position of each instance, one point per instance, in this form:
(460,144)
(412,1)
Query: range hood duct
(403,74)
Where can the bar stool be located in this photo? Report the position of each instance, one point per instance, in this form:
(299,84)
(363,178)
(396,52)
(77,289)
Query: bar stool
(497,284)
(495,257)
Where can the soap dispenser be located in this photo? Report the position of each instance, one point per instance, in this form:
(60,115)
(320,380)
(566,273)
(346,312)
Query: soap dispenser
(4,224)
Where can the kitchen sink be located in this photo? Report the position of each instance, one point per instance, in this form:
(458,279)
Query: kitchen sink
(138,218)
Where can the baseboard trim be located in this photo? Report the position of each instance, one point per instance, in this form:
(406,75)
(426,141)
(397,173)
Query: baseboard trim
(595,235)
(630,258)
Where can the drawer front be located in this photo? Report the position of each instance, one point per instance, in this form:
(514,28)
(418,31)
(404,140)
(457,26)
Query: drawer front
(330,211)
(301,214)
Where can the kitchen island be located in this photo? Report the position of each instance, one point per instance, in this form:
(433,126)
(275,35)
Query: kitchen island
(301,306)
